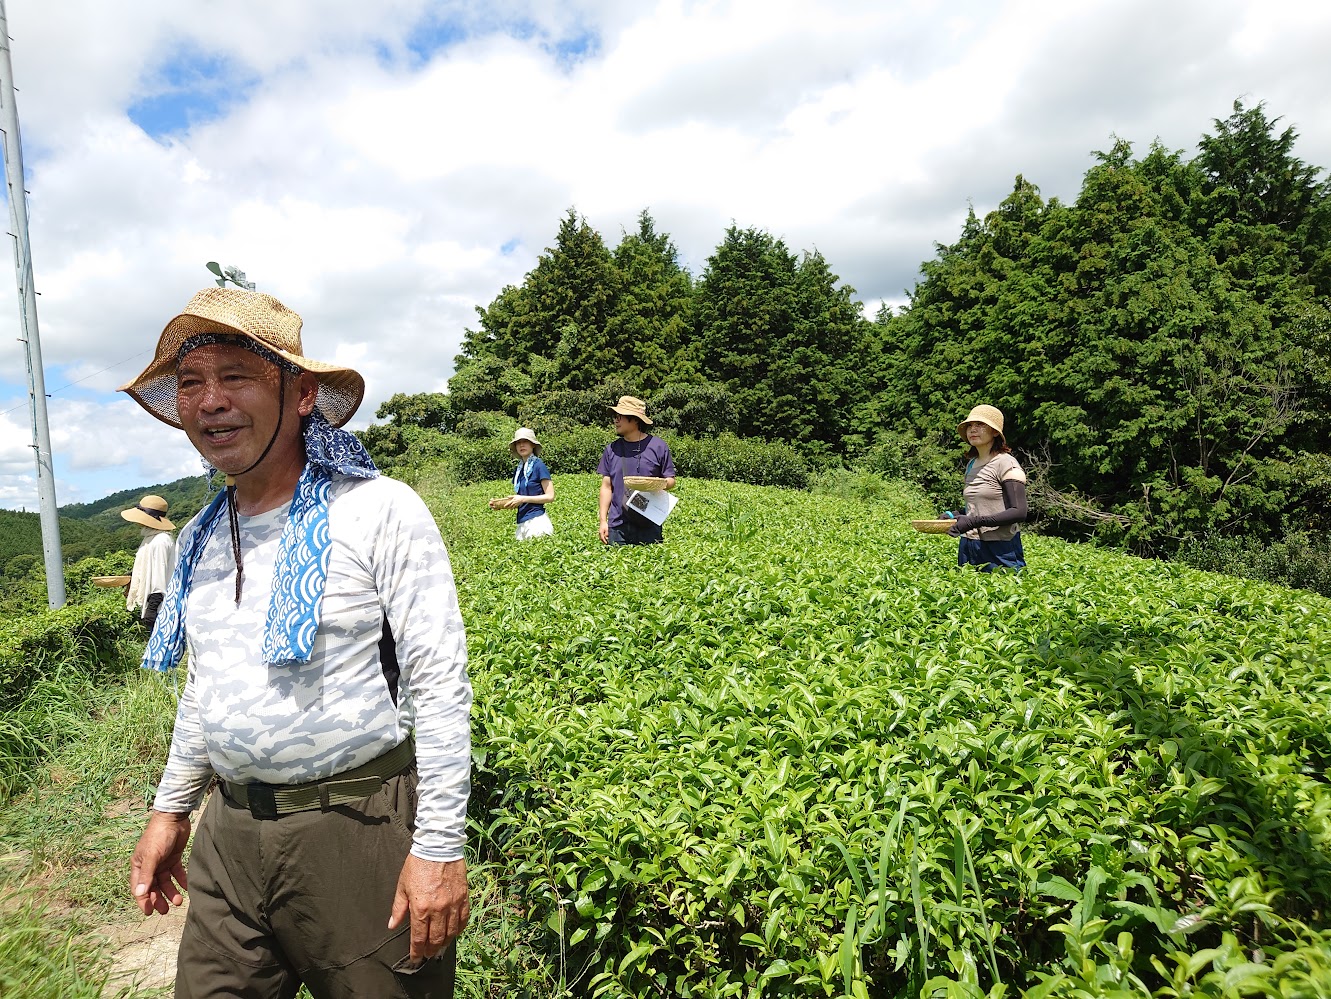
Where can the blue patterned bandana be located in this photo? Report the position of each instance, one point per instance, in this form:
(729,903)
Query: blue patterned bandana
(300,571)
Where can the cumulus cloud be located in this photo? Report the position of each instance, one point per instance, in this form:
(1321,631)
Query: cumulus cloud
(385,168)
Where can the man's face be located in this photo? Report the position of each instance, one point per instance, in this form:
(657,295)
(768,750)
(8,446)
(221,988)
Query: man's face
(623,424)
(228,400)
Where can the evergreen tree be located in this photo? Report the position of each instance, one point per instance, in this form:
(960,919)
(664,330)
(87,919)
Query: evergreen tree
(652,318)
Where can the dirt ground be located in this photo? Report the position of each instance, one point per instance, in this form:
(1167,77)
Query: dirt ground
(144,950)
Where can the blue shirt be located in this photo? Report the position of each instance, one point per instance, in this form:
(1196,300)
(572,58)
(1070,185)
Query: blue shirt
(527,482)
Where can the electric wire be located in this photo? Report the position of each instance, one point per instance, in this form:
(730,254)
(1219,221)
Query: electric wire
(23,405)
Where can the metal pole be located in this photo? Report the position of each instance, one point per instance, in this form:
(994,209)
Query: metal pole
(27,294)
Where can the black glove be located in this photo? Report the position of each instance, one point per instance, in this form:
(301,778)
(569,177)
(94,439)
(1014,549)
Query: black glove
(963,524)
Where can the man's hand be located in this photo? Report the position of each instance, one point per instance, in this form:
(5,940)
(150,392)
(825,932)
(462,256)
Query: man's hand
(156,875)
(435,893)
(605,533)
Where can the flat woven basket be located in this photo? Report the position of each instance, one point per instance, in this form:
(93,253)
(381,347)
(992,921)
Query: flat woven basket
(646,483)
(933,526)
(110,581)
(504,503)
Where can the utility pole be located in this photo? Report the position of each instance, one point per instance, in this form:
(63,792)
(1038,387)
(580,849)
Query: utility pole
(27,306)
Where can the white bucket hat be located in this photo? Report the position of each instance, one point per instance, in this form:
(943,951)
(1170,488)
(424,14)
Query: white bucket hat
(525,434)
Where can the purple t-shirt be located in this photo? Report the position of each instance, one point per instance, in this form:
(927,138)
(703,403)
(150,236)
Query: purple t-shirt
(649,456)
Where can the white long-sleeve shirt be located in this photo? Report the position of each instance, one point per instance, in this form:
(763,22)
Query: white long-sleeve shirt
(291,723)
(153,563)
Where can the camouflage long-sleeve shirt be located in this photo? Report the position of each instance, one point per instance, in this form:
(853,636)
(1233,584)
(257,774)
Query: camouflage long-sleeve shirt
(290,723)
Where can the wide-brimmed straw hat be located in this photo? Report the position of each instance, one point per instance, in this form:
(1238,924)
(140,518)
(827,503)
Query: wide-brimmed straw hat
(631,405)
(990,416)
(261,318)
(150,512)
(525,434)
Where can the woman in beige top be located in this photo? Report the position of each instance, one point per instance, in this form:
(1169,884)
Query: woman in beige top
(995,494)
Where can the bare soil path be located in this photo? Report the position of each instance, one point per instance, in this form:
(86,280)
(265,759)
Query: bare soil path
(144,951)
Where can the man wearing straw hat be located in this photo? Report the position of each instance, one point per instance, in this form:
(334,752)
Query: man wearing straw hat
(327,684)
(636,452)
(153,561)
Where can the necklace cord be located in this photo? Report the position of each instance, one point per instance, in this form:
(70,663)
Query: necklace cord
(233,515)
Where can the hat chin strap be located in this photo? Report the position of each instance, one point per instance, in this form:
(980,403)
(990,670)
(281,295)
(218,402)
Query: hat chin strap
(233,516)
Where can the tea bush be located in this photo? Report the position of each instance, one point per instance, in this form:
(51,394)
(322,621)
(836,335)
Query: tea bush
(472,459)
(1299,560)
(87,634)
(796,751)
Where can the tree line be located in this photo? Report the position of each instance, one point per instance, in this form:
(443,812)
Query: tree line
(1161,345)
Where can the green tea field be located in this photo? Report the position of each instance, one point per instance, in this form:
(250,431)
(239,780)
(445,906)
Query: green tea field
(796,751)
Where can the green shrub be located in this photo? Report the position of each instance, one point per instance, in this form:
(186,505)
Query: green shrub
(905,497)
(702,410)
(585,407)
(934,469)
(487,426)
(739,459)
(78,577)
(87,634)
(1302,561)
(735,459)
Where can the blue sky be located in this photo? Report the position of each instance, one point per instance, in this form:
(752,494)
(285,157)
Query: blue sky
(386,168)
(192,89)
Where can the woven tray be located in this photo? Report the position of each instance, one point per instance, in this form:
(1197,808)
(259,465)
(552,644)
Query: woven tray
(933,526)
(110,581)
(504,503)
(646,483)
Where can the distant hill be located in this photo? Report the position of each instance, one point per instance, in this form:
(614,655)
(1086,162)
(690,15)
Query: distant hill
(88,529)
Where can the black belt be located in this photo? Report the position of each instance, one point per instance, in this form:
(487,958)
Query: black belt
(268,801)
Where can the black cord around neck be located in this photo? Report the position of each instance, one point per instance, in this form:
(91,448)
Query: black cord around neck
(233,515)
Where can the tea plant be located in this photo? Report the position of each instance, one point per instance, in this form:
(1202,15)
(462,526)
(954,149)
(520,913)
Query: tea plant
(796,751)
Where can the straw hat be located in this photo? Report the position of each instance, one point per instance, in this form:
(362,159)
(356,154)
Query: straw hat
(525,434)
(990,416)
(631,405)
(150,512)
(251,314)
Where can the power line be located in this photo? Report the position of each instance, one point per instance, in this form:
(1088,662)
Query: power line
(71,385)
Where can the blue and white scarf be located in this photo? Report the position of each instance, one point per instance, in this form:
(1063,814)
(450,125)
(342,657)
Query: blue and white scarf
(523,475)
(300,570)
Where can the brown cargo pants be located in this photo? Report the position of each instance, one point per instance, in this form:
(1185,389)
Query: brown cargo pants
(303,897)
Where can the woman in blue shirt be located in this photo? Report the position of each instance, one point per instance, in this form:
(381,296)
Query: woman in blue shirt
(532,487)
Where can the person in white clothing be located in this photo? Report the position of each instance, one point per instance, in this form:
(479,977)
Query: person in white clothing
(154,561)
(327,686)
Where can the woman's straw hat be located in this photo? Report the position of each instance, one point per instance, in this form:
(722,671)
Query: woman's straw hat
(150,512)
(261,318)
(990,416)
(525,434)
(631,405)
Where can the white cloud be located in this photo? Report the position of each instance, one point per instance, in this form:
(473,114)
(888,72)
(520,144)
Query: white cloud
(372,187)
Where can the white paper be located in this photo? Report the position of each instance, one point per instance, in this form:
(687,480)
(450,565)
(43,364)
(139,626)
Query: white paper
(654,505)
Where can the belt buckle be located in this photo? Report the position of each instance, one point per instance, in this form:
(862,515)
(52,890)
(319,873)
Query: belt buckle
(261,800)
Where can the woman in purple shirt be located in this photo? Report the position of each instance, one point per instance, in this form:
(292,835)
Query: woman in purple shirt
(635,452)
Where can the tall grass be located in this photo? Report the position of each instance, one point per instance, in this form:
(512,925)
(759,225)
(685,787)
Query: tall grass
(79,761)
(44,957)
(91,754)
